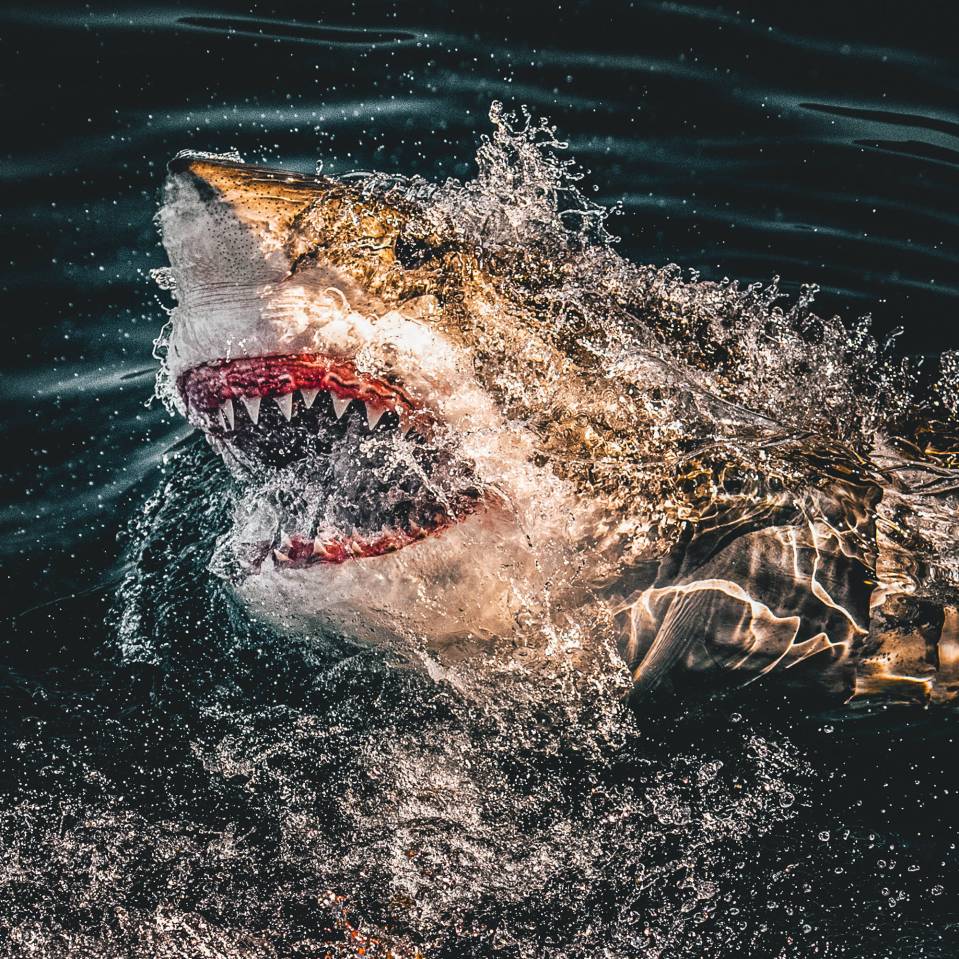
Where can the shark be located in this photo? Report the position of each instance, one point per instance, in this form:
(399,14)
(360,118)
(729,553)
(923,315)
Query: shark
(444,436)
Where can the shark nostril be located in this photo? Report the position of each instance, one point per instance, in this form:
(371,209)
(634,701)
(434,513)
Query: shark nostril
(182,163)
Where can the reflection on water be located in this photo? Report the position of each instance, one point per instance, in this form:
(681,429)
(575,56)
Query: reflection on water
(175,777)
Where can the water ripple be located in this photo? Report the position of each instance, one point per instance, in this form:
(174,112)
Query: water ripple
(306,33)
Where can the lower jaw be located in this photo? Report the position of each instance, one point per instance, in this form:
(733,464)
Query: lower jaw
(297,552)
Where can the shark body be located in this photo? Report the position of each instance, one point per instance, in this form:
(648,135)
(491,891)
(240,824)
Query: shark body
(450,450)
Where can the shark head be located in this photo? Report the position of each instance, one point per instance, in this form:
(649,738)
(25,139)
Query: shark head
(423,448)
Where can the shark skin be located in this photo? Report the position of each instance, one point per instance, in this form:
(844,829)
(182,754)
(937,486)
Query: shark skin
(517,501)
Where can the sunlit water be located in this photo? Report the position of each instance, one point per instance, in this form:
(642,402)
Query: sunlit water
(177,780)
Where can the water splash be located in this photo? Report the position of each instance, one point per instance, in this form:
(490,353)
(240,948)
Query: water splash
(746,344)
(323,801)
(521,809)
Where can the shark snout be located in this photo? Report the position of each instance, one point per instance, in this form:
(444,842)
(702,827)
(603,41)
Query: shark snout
(244,248)
(274,264)
(265,201)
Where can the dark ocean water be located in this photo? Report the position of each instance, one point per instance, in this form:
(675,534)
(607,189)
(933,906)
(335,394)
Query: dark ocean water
(172,778)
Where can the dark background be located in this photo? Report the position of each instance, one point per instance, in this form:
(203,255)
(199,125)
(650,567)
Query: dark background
(814,141)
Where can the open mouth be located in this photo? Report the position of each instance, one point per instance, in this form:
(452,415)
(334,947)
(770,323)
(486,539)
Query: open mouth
(353,467)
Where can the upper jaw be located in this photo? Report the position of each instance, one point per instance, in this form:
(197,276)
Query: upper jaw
(314,340)
(213,392)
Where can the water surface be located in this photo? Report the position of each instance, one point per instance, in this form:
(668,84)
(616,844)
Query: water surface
(172,777)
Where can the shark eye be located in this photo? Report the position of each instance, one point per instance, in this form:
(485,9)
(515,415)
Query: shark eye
(411,253)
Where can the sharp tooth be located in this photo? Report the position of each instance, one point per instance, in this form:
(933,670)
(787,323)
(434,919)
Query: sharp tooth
(405,427)
(227,410)
(285,403)
(223,421)
(339,405)
(309,396)
(373,414)
(252,404)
